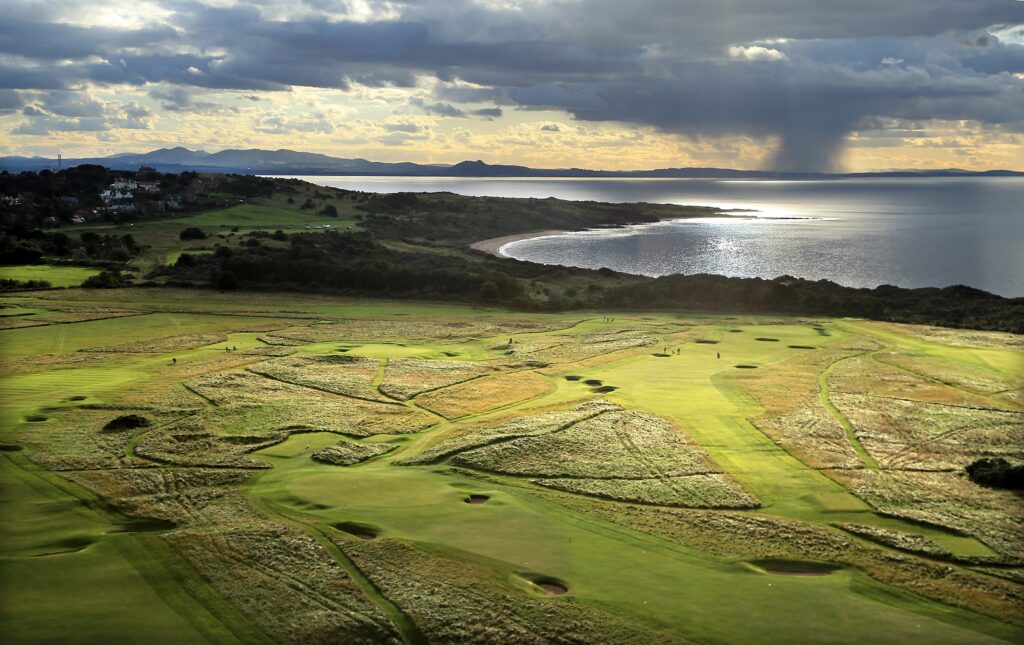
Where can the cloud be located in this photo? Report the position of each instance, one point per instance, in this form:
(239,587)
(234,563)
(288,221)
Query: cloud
(179,99)
(72,112)
(285,123)
(686,67)
(488,113)
(449,110)
(756,52)
(10,102)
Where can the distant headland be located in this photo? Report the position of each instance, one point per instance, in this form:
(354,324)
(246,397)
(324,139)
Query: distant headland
(290,162)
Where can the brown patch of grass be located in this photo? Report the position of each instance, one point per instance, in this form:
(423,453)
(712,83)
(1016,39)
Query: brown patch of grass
(483,394)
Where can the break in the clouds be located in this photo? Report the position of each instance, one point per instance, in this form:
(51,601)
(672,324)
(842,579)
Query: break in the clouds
(805,77)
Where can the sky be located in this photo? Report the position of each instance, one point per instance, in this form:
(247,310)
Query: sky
(811,85)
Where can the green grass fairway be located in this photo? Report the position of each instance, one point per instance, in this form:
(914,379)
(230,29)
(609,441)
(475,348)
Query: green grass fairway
(57,276)
(229,384)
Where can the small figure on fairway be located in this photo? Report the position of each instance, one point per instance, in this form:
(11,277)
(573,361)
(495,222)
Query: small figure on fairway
(718,354)
(174,361)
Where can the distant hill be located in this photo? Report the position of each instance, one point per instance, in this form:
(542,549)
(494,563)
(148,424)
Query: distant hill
(291,162)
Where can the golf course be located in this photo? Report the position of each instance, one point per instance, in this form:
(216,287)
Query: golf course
(255,467)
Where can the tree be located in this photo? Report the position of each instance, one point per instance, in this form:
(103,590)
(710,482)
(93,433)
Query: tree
(226,281)
(329,211)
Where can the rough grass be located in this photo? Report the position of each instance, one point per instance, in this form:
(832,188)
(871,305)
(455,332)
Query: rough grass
(405,378)
(481,395)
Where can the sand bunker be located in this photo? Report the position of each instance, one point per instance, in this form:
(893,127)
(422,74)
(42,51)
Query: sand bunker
(735,331)
(795,567)
(660,355)
(573,377)
(355,529)
(35,418)
(553,588)
(9,447)
(477,499)
(604,389)
(768,340)
(800,347)
(705,341)
(592,382)
(126,422)
(745,367)
(142,525)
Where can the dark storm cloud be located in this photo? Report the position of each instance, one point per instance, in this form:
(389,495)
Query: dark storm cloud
(53,41)
(808,71)
(447,109)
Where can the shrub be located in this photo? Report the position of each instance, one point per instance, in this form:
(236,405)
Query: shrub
(8,284)
(192,233)
(996,472)
(106,280)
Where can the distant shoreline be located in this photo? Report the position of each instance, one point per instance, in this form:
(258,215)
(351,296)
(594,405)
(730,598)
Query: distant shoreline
(494,244)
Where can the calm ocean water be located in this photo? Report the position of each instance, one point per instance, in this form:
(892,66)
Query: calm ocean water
(857,232)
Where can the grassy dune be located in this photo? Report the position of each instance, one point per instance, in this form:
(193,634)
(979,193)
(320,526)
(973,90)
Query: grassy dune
(390,549)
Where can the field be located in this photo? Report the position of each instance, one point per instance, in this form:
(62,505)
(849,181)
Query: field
(267,468)
(57,276)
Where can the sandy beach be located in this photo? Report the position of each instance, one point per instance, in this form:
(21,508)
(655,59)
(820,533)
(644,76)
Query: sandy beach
(495,243)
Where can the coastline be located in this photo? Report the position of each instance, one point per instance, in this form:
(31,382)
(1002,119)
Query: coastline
(494,244)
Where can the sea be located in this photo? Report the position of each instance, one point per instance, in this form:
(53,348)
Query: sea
(909,232)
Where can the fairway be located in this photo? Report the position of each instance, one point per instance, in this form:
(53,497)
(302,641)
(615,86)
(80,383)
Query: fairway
(610,476)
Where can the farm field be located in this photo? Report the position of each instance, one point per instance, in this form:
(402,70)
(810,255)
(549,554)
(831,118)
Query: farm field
(263,468)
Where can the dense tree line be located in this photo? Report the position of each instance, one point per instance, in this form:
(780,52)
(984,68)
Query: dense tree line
(350,262)
(956,306)
(23,245)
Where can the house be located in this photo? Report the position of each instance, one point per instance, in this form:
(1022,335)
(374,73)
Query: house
(124,185)
(113,194)
(148,186)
